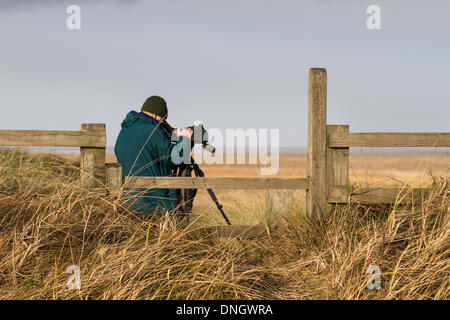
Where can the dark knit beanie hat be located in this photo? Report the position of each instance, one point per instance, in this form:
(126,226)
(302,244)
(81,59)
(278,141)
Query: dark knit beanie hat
(156,105)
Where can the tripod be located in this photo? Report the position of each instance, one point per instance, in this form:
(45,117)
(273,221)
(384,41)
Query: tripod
(199,173)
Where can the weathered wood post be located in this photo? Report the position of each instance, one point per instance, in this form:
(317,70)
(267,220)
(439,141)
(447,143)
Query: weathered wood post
(92,159)
(337,168)
(278,202)
(316,195)
(113,177)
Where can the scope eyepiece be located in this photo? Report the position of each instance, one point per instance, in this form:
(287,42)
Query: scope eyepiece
(209,148)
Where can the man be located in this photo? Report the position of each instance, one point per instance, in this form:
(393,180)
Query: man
(144,148)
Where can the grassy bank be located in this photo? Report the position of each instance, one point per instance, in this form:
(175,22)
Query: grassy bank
(48,223)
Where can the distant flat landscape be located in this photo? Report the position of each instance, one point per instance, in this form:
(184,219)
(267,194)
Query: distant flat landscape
(374,169)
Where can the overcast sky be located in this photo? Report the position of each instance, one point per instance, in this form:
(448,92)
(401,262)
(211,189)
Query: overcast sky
(231,64)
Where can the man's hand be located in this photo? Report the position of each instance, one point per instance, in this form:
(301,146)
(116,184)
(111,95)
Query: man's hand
(184,132)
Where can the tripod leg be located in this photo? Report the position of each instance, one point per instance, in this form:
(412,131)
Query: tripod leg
(218,205)
(199,173)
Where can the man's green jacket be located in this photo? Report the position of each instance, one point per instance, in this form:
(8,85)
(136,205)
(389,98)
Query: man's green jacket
(143,148)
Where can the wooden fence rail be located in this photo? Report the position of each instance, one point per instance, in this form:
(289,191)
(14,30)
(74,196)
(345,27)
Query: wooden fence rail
(327,180)
(216,183)
(389,139)
(52,138)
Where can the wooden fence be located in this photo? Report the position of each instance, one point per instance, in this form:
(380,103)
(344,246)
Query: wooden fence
(91,140)
(327,181)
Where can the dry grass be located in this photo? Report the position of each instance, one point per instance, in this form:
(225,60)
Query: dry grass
(47,223)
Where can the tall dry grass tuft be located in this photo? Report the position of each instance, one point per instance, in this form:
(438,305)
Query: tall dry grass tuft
(48,223)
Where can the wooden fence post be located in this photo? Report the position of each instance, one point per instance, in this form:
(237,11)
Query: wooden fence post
(316,195)
(337,168)
(113,177)
(92,160)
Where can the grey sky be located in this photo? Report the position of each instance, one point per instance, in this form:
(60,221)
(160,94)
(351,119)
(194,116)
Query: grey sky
(232,64)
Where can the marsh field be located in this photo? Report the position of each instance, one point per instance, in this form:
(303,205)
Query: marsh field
(47,223)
